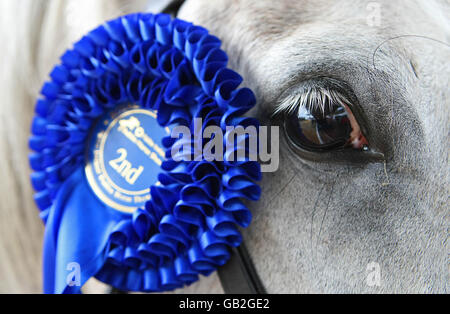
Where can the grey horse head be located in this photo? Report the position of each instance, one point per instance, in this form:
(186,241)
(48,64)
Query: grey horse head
(334,222)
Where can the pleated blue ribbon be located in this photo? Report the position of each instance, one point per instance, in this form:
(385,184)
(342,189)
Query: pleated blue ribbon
(192,218)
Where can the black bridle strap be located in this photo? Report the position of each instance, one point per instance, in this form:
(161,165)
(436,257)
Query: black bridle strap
(238,275)
(173,7)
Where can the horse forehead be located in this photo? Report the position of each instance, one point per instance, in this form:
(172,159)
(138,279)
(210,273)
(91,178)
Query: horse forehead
(267,17)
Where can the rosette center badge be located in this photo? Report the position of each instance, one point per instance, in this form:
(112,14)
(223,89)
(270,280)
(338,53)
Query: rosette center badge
(124,157)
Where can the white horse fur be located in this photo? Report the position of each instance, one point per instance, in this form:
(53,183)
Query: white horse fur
(318,225)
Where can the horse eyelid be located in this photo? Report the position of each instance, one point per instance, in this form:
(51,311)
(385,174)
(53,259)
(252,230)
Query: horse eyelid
(311,98)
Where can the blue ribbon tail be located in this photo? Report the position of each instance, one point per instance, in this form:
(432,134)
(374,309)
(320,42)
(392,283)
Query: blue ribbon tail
(76,236)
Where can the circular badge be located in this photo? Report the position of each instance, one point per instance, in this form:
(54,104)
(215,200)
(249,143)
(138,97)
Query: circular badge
(124,157)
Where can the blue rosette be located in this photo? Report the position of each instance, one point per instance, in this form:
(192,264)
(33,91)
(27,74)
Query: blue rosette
(194,209)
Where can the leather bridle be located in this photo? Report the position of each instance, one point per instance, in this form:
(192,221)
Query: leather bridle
(238,275)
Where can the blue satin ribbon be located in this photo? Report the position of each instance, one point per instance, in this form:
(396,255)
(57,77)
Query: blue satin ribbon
(191,221)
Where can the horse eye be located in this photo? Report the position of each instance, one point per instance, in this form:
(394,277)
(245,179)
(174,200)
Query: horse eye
(324,128)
